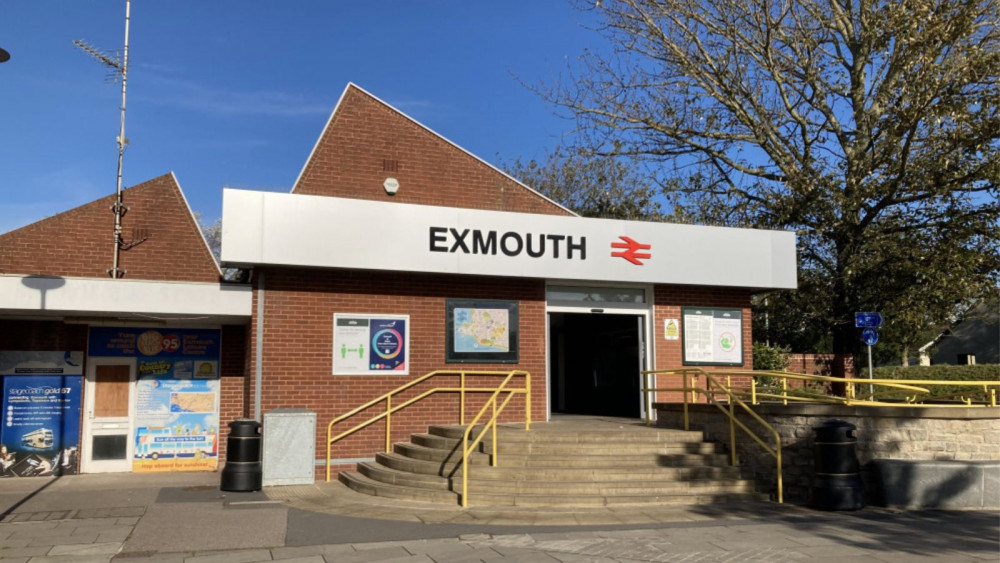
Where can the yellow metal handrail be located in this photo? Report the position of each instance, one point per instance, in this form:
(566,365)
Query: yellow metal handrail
(491,425)
(917,386)
(733,400)
(462,389)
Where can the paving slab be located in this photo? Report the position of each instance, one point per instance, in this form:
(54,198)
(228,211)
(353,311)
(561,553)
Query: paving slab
(241,556)
(206,526)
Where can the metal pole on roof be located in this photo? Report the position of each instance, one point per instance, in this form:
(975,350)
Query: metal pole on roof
(121,69)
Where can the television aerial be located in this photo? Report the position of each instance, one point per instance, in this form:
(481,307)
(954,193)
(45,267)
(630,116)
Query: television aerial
(118,66)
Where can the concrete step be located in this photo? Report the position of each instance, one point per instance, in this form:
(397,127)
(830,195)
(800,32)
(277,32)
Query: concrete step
(564,486)
(673,459)
(618,472)
(627,433)
(606,446)
(416,451)
(361,483)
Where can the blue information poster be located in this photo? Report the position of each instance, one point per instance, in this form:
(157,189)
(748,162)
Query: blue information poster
(370,344)
(41,425)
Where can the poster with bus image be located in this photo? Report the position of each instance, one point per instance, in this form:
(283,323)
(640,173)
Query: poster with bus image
(176,394)
(177,418)
(40,435)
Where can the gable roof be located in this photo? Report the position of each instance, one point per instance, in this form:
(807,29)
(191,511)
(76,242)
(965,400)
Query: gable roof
(169,245)
(365,141)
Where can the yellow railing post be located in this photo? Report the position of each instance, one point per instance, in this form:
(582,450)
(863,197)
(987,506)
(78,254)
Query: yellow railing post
(461,398)
(993,397)
(465,470)
(648,404)
(388,423)
(732,430)
(527,401)
(684,393)
(753,390)
(784,390)
(781,488)
(493,438)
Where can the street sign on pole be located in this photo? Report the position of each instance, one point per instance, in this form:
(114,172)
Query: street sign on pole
(869,336)
(866,320)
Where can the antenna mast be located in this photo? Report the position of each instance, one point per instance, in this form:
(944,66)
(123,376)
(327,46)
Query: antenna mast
(120,70)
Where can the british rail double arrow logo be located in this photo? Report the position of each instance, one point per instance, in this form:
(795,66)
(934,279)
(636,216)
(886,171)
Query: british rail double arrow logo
(631,250)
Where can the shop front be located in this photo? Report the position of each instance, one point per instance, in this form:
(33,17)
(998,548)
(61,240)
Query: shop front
(152,401)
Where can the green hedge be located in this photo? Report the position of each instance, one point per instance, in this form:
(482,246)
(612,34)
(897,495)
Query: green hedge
(980,372)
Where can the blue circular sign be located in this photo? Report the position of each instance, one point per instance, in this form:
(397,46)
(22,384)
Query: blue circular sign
(869,336)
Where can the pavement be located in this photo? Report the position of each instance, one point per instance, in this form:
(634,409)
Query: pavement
(184,517)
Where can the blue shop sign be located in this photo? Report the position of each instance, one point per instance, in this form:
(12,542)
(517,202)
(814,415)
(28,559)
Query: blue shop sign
(154,342)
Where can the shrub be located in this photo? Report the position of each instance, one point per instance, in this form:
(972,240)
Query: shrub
(770,358)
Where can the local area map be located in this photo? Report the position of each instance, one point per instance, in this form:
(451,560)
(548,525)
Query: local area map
(192,402)
(482,330)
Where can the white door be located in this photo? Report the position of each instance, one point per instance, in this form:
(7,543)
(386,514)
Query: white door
(107,425)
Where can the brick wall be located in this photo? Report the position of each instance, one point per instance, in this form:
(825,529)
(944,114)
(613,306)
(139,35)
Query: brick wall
(232,371)
(367,141)
(911,433)
(668,304)
(298,340)
(821,364)
(79,243)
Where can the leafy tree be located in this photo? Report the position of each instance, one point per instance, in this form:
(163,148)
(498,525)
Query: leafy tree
(868,126)
(592,187)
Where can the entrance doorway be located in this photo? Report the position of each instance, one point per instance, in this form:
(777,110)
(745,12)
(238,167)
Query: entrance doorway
(594,363)
(107,429)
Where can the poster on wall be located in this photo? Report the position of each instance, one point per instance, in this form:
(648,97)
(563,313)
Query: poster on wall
(40,435)
(371,344)
(712,336)
(176,394)
(481,331)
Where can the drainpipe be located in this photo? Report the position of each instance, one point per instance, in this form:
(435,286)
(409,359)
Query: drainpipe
(259,344)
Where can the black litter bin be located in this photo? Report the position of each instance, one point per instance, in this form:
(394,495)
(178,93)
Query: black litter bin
(242,473)
(837,480)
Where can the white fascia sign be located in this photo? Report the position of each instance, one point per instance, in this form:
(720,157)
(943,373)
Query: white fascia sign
(263,228)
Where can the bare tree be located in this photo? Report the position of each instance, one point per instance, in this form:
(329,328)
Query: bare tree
(592,186)
(869,126)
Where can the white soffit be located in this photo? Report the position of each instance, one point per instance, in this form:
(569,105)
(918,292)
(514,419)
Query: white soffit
(20,294)
(263,228)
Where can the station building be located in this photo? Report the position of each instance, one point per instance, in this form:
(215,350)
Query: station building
(396,254)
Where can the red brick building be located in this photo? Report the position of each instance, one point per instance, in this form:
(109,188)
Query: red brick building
(396,254)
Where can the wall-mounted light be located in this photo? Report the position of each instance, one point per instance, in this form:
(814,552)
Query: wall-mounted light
(391,186)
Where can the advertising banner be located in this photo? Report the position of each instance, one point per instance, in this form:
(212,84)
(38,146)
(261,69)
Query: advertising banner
(176,394)
(40,435)
(713,336)
(370,344)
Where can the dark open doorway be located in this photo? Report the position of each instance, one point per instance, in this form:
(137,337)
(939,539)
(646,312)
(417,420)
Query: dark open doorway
(594,363)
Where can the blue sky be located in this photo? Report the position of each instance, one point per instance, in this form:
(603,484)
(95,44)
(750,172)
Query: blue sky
(227,93)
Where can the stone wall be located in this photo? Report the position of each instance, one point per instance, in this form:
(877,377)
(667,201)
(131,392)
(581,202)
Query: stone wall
(912,433)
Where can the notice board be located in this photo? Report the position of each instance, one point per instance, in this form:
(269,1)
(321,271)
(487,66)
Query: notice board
(712,336)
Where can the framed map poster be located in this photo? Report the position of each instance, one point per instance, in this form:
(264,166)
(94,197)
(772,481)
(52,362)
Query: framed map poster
(481,331)
(712,336)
